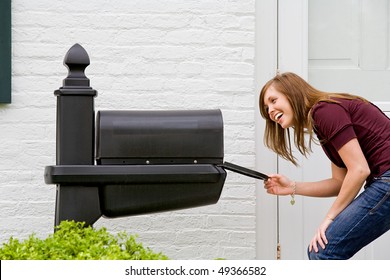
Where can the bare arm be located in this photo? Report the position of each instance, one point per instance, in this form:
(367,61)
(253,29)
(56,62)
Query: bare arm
(281,185)
(357,172)
(325,188)
(345,183)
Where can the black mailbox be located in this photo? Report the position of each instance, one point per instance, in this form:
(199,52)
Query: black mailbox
(177,151)
(137,161)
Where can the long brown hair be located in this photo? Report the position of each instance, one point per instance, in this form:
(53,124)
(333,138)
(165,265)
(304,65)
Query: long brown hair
(302,97)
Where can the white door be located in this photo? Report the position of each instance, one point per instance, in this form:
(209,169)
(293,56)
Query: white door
(349,52)
(340,46)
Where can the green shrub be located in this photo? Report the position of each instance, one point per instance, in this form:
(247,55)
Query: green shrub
(74,241)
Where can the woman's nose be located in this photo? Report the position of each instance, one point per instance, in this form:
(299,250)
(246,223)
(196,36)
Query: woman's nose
(270,110)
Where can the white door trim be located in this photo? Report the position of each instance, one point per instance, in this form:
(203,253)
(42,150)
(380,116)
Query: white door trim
(281,43)
(266,161)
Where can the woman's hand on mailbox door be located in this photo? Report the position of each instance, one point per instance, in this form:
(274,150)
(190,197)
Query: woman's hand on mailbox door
(279,185)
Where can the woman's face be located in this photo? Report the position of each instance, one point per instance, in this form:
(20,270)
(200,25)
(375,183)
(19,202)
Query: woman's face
(278,107)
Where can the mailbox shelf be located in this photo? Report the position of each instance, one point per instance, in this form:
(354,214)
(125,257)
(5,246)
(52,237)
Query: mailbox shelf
(131,174)
(126,190)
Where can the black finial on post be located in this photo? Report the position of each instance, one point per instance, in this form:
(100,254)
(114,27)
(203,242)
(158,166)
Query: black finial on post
(76,60)
(75,139)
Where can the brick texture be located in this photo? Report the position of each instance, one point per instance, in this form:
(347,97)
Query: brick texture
(153,54)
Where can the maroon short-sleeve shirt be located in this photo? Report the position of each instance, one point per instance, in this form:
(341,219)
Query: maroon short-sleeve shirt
(337,123)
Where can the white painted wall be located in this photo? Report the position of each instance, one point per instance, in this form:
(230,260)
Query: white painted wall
(151,54)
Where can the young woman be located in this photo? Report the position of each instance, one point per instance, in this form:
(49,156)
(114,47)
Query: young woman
(355,136)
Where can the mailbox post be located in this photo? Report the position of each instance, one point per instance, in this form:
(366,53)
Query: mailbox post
(75,139)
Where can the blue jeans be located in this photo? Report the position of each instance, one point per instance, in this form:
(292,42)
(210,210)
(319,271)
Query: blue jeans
(364,220)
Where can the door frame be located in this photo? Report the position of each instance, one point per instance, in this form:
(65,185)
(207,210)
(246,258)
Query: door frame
(281,30)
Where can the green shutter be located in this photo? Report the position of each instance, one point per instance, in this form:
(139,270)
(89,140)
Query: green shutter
(5,51)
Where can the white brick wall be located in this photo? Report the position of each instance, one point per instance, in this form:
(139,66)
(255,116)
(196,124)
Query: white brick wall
(151,54)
